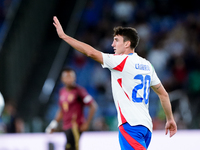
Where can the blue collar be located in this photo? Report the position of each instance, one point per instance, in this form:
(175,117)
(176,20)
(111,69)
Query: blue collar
(130,54)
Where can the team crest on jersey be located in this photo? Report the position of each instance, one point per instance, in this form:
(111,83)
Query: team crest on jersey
(70,97)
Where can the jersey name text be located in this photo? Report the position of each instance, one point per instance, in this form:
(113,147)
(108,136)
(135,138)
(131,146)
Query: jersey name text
(142,67)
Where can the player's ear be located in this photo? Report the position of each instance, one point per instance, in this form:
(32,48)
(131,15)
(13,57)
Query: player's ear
(127,44)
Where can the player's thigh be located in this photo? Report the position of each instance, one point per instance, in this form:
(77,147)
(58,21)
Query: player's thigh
(73,136)
(70,144)
(148,138)
(134,136)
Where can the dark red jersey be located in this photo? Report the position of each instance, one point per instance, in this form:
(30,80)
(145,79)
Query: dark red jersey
(72,103)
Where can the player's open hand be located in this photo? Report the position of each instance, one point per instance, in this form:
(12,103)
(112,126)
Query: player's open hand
(171,126)
(59,28)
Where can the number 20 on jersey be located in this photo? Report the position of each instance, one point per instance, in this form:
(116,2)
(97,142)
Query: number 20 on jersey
(144,85)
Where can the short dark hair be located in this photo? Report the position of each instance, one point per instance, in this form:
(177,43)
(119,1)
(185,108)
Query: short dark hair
(129,34)
(68,69)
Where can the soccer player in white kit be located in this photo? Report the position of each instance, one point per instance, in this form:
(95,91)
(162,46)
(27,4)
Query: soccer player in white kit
(132,76)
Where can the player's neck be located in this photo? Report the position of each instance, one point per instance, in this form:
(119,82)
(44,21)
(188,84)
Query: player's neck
(69,88)
(129,51)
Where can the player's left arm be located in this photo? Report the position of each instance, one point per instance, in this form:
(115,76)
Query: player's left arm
(92,109)
(165,102)
(78,45)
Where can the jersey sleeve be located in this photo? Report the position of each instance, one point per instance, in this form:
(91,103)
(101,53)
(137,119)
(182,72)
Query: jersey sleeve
(155,80)
(112,61)
(85,97)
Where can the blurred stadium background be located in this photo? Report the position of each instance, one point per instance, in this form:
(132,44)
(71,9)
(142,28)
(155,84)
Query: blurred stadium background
(32,56)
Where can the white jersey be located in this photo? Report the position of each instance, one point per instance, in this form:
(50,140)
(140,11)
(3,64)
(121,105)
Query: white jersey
(2,103)
(131,77)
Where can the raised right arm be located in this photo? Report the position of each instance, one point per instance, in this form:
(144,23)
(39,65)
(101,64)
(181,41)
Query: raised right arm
(78,45)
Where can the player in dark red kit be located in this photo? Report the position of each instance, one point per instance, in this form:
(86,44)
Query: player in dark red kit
(72,100)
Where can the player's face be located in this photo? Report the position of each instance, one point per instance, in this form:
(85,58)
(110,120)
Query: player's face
(68,78)
(118,44)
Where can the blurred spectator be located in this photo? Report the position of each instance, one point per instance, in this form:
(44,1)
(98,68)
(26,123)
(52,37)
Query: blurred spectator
(175,42)
(158,54)
(99,124)
(13,123)
(180,73)
(123,10)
